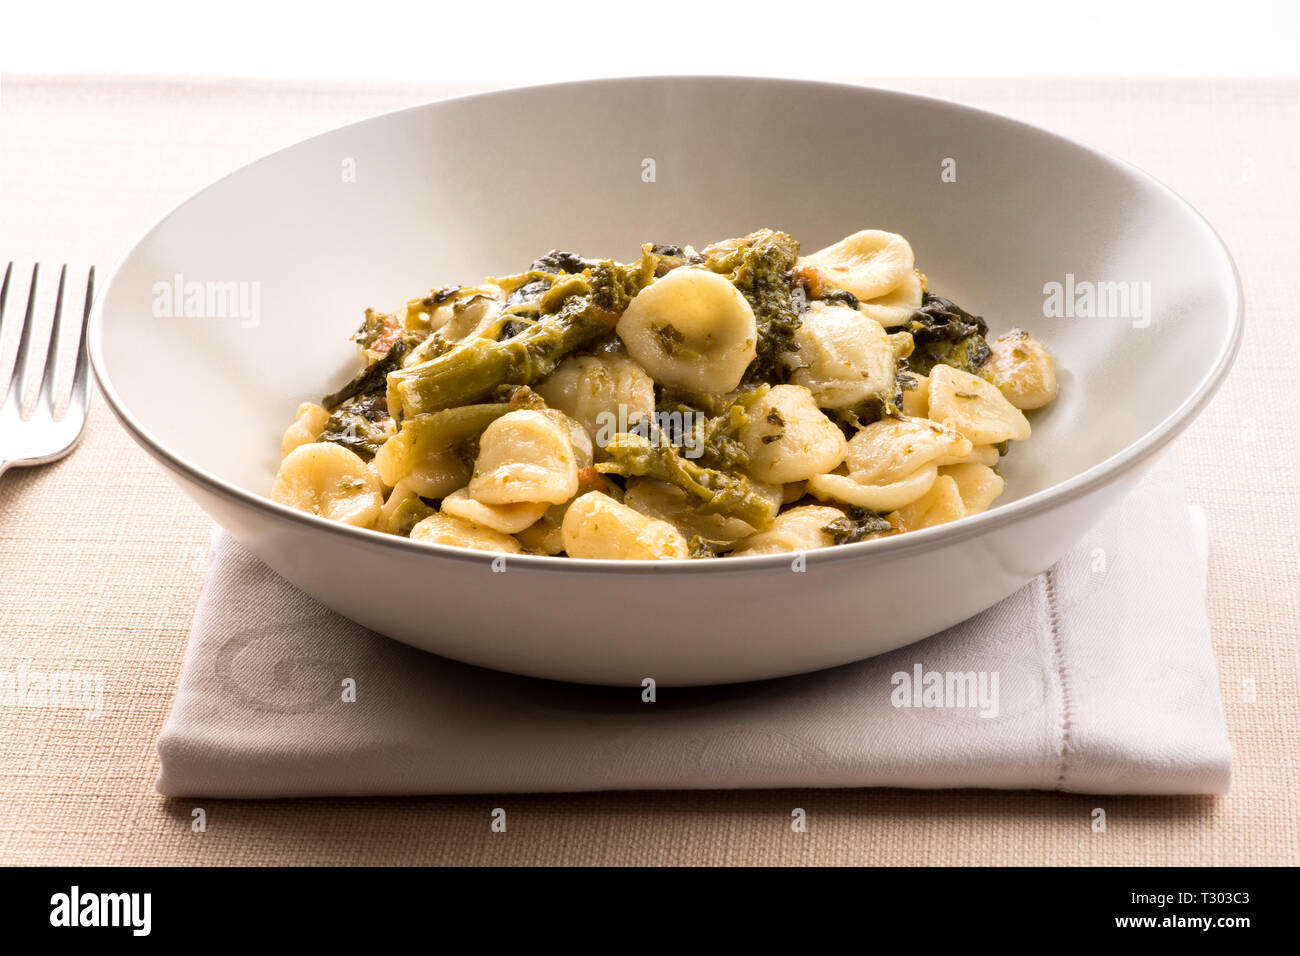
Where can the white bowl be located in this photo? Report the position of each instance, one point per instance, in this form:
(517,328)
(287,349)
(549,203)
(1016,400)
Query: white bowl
(379,211)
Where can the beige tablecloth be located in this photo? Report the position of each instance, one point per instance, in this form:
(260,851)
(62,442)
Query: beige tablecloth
(101,558)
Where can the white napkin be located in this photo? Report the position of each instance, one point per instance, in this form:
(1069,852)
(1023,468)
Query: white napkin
(1114,692)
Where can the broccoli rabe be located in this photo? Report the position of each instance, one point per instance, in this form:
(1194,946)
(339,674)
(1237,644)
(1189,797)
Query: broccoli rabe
(406,516)
(858,524)
(760,266)
(359,416)
(946,334)
(716,492)
(361,424)
(715,429)
(575,312)
(370,379)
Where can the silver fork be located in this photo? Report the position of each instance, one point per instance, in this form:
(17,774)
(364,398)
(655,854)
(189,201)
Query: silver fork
(42,438)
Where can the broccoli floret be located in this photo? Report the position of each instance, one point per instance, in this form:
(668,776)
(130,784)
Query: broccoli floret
(614,286)
(716,429)
(760,267)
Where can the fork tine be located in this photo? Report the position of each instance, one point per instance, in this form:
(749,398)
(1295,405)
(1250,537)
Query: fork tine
(4,297)
(79,398)
(54,351)
(6,377)
(20,370)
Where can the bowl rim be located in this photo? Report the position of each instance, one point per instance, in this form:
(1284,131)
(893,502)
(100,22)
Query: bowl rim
(1104,472)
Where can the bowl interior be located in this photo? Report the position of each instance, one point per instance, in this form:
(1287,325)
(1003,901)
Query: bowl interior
(238,305)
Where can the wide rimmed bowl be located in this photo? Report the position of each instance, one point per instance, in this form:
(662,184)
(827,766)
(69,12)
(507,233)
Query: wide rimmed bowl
(1128,285)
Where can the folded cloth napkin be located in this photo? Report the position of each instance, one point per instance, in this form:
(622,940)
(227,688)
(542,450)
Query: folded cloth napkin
(1096,677)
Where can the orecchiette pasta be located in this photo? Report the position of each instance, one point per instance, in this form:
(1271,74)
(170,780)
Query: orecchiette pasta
(899,304)
(524,456)
(508,519)
(1022,370)
(792,491)
(444,528)
(892,448)
(802,528)
(583,447)
(691,329)
(881,498)
(741,400)
(307,427)
(841,356)
(941,504)
(870,264)
(600,392)
(977,484)
(328,480)
(974,407)
(545,536)
(438,475)
(787,438)
(597,526)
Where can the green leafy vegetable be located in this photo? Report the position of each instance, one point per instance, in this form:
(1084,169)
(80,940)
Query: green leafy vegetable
(406,516)
(473,369)
(946,334)
(717,492)
(361,424)
(760,267)
(716,429)
(423,436)
(858,524)
(370,379)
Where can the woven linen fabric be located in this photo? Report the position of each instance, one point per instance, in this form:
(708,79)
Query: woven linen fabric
(1097,676)
(102,558)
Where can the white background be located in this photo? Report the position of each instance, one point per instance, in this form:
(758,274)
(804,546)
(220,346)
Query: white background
(485,43)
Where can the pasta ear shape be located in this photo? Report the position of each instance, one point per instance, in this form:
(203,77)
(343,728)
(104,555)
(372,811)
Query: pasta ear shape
(977,484)
(447,529)
(594,390)
(326,479)
(788,438)
(692,329)
(508,519)
(842,356)
(525,456)
(438,475)
(892,448)
(974,407)
(799,529)
(597,526)
(941,504)
(307,426)
(880,498)
(870,263)
(1022,370)
(898,305)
